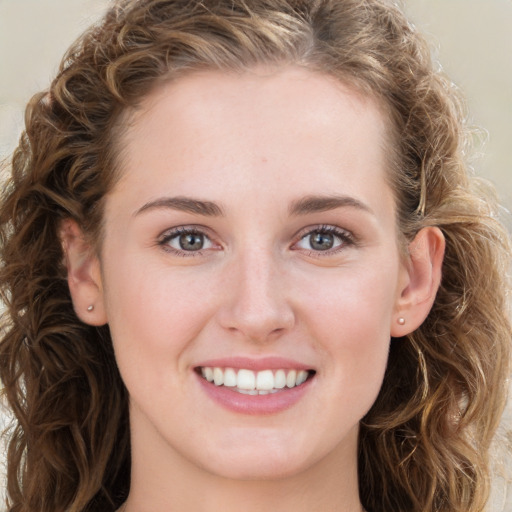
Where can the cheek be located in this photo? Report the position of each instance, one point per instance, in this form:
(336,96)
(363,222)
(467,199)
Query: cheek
(350,317)
(154,314)
(351,301)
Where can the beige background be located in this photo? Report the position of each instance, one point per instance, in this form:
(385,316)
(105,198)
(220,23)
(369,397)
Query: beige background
(472,38)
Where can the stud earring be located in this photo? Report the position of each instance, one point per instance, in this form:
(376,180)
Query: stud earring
(401,320)
(90,308)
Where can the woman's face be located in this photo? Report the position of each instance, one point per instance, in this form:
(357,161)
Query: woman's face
(252,231)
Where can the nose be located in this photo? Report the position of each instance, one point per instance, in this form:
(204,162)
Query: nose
(256,304)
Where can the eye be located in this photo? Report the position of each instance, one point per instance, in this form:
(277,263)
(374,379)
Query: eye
(186,240)
(325,239)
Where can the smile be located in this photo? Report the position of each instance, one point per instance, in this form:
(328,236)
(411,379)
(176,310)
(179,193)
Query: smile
(255,382)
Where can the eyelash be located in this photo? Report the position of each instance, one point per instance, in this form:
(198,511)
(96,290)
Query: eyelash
(165,238)
(346,238)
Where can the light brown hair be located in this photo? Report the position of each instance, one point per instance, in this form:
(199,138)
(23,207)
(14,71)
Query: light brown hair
(424,444)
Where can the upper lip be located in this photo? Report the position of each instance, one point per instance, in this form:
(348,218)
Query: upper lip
(255,364)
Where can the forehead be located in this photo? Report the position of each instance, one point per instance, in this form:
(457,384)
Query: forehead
(292,91)
(259,128)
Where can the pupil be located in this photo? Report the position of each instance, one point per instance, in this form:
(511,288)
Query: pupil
(191,242)
(322,241)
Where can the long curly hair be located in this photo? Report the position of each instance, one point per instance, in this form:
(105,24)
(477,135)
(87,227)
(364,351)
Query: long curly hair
(424,445)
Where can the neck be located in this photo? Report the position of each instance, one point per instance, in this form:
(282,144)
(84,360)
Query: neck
(172,483)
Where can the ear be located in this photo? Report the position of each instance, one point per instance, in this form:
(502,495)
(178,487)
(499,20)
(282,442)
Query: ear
(84,275)
(423,276)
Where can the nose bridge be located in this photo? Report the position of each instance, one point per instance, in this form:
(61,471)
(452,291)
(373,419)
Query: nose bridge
(258,306)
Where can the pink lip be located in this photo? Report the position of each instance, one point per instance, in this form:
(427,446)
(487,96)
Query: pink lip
(264,363)
(254,404)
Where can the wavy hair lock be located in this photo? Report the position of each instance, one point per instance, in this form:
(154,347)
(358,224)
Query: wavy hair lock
(424,444)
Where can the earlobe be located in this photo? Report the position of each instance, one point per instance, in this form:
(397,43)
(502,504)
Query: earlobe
(423,269)
(84,276)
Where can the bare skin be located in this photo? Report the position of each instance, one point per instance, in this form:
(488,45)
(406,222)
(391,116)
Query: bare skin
(253,219)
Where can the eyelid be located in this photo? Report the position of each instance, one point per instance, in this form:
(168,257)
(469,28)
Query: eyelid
(347,237)
(170,233)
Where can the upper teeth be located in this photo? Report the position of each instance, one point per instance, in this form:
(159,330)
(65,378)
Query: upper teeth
(247,380)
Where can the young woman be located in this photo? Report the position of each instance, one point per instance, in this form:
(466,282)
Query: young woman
(244,266)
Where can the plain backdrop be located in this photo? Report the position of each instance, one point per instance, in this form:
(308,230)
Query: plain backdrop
(471,38)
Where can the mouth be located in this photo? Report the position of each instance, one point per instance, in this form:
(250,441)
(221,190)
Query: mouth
(249,382)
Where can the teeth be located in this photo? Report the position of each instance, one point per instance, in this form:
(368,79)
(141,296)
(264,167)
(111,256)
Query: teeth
(265,380)
(246,380)
(301,377)
(229,377)
(208,374)
(218,376)
(280,379)
(291,378)
(254,383)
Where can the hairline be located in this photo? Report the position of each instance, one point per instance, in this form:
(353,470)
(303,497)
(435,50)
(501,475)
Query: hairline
(128,116)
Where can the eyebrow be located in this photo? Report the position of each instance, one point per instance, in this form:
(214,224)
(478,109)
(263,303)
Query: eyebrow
(303,206)
(314,204)
(184,204)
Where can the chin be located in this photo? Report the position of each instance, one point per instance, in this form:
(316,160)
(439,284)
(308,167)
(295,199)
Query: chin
(257,468)
(267,459)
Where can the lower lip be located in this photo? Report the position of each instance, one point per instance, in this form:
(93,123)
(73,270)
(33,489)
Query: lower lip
(255,404)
